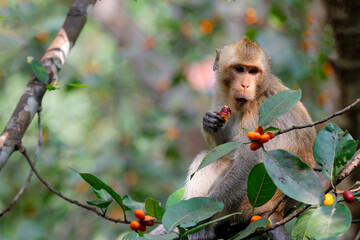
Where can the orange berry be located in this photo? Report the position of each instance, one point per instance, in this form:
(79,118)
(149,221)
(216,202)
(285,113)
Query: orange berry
(271,135)
(264,138)
(251,134)
(149,220)
(257,136)
(270,224)
(139,214)
(255,146)
(134,225)
(328,199)
(142,228)
(255,218)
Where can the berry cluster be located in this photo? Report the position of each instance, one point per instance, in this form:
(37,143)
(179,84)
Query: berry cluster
(144,220)
(259,137)
(225,112)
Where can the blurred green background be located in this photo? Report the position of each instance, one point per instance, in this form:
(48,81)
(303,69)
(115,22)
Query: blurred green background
(148,66)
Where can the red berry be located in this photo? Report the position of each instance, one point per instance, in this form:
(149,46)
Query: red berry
(142,228)
(348,196)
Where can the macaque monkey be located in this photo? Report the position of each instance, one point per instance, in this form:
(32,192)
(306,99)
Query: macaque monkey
(243,81)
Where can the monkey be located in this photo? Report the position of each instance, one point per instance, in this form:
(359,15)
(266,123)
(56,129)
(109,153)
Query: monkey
(243,81)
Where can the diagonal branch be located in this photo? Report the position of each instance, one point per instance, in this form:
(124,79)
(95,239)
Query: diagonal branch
(53,59)
(27,183)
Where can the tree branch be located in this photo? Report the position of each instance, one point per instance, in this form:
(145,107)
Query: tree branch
(27,183)
(53,60)
(87,207)
(321,120)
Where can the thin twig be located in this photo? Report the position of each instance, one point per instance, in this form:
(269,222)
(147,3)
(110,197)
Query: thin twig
(87,207)
(321,120)
(276,206)
(355,221)
(28,180)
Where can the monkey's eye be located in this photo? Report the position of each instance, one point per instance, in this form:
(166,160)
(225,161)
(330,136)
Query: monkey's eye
(239,69)
(253,71)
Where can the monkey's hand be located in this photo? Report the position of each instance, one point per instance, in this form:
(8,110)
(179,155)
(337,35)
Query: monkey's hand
(212,122)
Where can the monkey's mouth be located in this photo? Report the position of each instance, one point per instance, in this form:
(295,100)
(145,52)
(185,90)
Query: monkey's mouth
(240,100)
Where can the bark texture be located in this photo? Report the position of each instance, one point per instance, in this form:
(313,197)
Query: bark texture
(343,16)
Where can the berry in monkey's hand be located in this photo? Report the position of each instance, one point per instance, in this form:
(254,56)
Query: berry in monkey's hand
(225,112)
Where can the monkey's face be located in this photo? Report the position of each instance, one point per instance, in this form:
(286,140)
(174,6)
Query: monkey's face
(240,84)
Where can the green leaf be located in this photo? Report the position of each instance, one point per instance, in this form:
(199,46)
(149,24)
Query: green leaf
(195,229)
(131,204)
(50,87)
(217,153)
(102,194)
(329,222)
(168,236)
(75,85)
(38,69)
(96,183)
(188,213)
(1,17)
(294,177)
(260,187)
(271,129)
(332,149)
(175,197)
(100,203)
(129,236)
(262,222)
(153,208)
(302,225)
(277,105)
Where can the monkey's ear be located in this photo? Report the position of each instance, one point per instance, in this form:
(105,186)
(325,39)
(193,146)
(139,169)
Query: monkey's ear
(217,57)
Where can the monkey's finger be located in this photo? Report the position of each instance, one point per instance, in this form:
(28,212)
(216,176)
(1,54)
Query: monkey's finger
(213,117)
(210,127)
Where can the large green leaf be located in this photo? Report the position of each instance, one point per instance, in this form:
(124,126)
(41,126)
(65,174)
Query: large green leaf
(329,222)
(175,197)
(188,213)
(260,187)
(277,105)
(131,204)
(217,153)
(262,222)
(332,149)
(98,184)
(168,236)
(301,227)
(294,177)
(153,208)
(38,69)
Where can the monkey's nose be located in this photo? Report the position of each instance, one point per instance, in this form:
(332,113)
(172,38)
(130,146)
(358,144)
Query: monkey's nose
(240,100)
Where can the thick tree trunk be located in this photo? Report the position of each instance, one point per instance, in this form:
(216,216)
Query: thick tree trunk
(343,16)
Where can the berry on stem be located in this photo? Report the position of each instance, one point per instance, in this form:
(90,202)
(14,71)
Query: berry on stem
(142,228)
(348,196)
(264,138)
(139,214)
(149,220)
(328,199)
(255,218)
(255,146)
(134,225)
